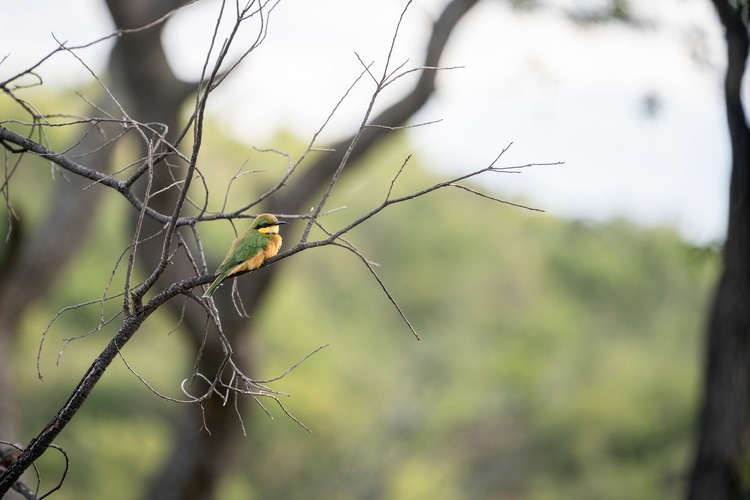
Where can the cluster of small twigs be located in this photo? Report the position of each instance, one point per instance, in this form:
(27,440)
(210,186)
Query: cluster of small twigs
(229,382)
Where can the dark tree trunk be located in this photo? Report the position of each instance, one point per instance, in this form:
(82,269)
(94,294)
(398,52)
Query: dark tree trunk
(720,470)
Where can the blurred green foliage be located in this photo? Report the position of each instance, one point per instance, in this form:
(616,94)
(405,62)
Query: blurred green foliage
(559,359)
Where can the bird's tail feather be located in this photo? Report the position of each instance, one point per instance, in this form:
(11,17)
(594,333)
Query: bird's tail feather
(213,286)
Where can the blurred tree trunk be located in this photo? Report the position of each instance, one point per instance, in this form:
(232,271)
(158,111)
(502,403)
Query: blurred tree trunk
(36,256)
(144,81)
(721,469)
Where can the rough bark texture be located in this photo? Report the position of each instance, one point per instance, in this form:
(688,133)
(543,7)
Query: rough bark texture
(720,469)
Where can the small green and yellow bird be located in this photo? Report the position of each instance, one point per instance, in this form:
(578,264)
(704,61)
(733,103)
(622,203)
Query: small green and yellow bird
(259,242)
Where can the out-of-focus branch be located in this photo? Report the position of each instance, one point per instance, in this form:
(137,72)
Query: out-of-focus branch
(317,175)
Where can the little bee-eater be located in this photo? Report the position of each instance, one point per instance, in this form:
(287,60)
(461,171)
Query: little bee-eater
(259,242)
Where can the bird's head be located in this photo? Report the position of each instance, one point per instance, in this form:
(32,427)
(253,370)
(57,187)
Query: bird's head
(267,224)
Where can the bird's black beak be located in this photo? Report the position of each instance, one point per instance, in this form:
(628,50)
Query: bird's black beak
(280,222)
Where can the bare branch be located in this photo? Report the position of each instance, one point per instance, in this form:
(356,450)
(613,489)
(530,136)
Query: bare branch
(225,380)
(483,195)
(393,302)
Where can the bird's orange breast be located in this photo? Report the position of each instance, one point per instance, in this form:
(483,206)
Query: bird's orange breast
(272,248)
(254,262)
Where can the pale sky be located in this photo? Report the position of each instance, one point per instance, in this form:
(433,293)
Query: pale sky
(558,92)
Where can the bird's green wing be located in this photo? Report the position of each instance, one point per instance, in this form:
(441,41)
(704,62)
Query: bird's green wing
(245,246)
